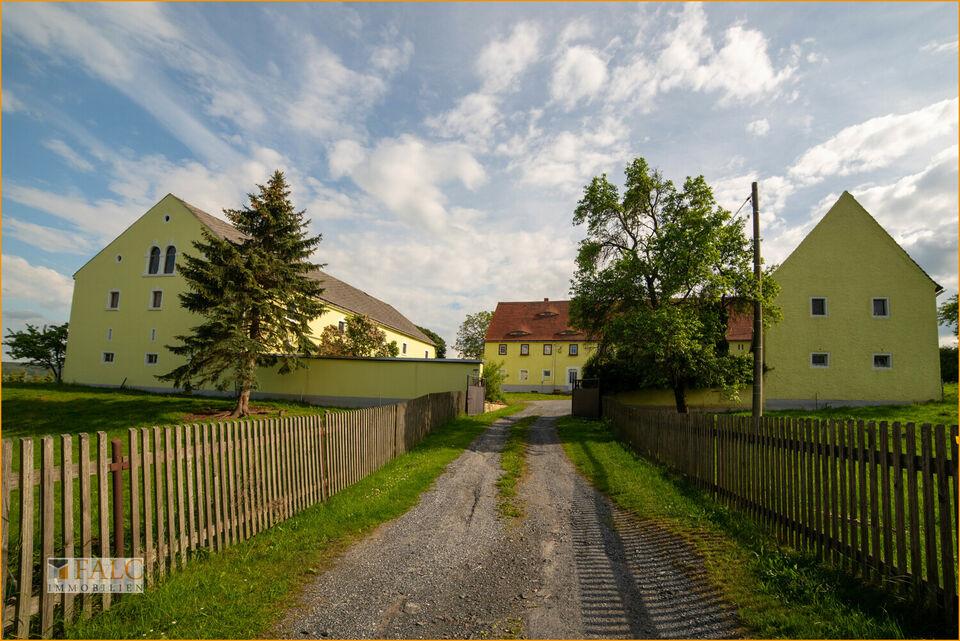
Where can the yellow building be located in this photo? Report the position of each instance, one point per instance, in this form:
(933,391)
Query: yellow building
(126,303)
(540,351)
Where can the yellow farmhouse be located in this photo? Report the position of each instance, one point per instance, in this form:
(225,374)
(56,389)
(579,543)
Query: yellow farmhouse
(126,303)
(539,349)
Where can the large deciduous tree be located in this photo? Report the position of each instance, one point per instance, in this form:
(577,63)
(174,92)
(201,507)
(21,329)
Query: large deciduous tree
(947,314)
(255,297)
(361,338)
(40,347)
(657,275)
(471,335)
(439,343)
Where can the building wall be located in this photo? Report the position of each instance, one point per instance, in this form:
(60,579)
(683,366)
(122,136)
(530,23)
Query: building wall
(558,363)
(850,260)
(333,315)
(134,330)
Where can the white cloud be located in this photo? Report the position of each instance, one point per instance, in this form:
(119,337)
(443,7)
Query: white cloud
(473,120)
(575,30)
(42,285)
(877,142)
(501,62)
(569,159)
(11,104)
(47,238)
(579,74)
(760,127)
(947,46)
(68,154)
(391,58)
(406,175)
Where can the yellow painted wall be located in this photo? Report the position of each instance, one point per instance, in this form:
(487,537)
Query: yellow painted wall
(333,315)
(849,259)
(367,381)
(558,363)
(128,332)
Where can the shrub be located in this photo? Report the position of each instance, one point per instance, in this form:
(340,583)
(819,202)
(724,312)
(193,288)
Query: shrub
(948,364)
(493,376)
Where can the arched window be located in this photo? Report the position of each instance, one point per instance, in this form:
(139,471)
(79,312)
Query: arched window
(170,259)
(154,266)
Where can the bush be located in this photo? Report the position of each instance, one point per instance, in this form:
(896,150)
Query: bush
(948,364)
(493,376)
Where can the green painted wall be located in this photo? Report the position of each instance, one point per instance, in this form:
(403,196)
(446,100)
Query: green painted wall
(849,259)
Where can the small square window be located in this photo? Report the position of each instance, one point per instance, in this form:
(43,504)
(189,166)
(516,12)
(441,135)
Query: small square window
(547,349)
(151,359)
(524,375)
(108,357)
(342,326)
(426,353)
(156,299)
(881,308)
(404,348)
(113,300)
(574,350)
(818,306)
(882,361)
(739,347)
(547,374)
(502,349)
(524,349)
(820,359)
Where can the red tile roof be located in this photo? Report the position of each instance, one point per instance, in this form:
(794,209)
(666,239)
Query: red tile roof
(549,320)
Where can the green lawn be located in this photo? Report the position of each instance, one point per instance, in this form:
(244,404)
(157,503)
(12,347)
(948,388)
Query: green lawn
(513,461)
(934,412)
(779,592)
(241,592)
(515,397)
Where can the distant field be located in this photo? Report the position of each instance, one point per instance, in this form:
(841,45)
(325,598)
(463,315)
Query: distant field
(935,412)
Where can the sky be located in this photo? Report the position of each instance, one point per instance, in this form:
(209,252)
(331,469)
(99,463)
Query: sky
(441,149)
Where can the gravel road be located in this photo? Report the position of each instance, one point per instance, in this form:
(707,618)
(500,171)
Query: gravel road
(574,567)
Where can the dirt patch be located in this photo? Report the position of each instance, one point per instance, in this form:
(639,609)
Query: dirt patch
(218,414)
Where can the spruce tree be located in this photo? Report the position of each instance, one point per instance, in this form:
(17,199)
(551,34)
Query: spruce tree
(255,297)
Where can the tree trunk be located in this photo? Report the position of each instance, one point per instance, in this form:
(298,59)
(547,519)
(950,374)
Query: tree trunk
(680,396)
(243,404)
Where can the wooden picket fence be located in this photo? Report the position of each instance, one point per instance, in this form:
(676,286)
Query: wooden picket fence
(184,488)
(858,494)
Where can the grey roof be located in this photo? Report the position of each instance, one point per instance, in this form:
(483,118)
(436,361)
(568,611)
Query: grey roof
(335,291)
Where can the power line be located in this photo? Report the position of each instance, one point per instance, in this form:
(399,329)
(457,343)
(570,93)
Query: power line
(749,198)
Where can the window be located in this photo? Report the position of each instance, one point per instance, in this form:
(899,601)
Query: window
(156,299)
(426,353)
(153,265)
(343,326)
(109,333)
(882,361)
(151,359)
(547,349)
(502,349)
(574,349)
(113,300)
(170,259)
(119,258)
(819,359)
(404,348)
(524,375)
(524,349)
(166,218)
(153,334)
(881,308)
(108,357)
(547,374)
(739,347)
(571,376)
(818,306)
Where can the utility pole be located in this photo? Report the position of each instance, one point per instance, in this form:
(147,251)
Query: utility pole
(757,314)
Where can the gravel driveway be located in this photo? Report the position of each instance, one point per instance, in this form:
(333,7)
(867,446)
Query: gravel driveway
(575,567)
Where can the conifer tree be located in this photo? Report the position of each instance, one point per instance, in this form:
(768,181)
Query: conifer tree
(255,297)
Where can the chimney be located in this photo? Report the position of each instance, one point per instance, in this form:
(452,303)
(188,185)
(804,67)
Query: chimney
(546,300)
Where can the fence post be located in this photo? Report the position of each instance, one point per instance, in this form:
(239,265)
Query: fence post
(117,466)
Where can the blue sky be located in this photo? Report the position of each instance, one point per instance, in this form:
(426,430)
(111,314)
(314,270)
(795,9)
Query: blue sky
(441,149)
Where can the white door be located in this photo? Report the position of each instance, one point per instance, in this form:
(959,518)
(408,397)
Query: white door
(572,375)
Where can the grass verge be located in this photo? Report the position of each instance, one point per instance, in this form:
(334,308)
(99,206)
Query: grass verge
(516,397)
(241,592)
(779,593)
(513,461)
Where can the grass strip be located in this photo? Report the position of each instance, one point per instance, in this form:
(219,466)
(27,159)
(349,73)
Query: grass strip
(779,592)
(515,397)
(241,592)
(513,461)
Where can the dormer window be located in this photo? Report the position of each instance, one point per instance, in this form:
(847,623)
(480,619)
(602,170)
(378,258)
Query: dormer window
(153,265)
(170,260)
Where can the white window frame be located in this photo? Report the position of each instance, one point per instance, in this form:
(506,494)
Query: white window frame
(548,349)
(342,325)
(109,300)
(826,307)
(873,360)
(524,346)
(146,359)
(502,349)
(812,354)
(573,350)
(103,358)
(163,261)
(575,370)
(546,374)
(873,311)
(150,303)
(524,375)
